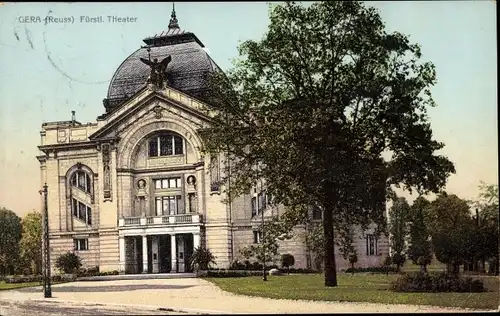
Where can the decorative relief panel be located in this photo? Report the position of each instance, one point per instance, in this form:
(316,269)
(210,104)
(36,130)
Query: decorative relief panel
(166,161)
(106,161)
(61,136)
(79,134)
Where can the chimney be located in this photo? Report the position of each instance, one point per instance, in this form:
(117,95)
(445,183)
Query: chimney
(73,118)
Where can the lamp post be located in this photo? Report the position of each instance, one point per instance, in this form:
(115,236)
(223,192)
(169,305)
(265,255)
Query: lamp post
(47,289)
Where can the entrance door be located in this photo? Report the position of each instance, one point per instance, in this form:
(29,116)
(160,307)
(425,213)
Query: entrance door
(180,253)
(188,251)
(164,254)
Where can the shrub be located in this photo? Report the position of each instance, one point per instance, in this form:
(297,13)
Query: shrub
(442,282)
(232,273)
(257,266)
(236,265)
(398,260)
(353,258)
(383,269)
(301,271)
(201,259)
(248,265)
(69,262)
(287,260)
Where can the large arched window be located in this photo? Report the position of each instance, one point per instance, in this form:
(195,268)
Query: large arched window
(166,144)
(81,193)
(82,181)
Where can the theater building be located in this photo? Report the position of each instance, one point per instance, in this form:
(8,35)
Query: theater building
(133,192)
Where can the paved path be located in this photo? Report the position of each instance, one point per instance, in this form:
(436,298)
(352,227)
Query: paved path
(196,296)
(45,308)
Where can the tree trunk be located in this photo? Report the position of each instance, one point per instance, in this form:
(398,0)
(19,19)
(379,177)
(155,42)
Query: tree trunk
(330,269)
(482,266)
(456,269)
(422,268)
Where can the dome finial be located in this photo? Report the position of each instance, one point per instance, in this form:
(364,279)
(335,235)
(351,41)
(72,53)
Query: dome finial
(173,19)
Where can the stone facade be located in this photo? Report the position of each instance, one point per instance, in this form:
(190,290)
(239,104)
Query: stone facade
(133,192)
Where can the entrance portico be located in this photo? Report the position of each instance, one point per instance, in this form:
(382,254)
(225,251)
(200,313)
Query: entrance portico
(152,251)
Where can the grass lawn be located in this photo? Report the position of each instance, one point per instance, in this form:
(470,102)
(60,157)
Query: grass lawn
(358,288)
(10,286)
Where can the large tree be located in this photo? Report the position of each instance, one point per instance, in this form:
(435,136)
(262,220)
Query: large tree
(31,242)
(399,216)
(419,250)
(10,234)
(330,110)
(448,219)
(487,226)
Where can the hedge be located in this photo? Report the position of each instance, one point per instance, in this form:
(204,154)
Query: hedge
(442,282)
(39,278)
(372,269)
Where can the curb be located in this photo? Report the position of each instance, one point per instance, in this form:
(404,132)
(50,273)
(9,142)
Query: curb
(137,306)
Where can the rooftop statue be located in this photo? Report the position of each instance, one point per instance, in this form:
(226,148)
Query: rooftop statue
(158,75)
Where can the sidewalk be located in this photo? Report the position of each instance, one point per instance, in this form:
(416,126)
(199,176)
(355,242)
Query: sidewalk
(193,295)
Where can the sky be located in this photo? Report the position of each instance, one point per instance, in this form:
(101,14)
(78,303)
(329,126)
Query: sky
(48,70)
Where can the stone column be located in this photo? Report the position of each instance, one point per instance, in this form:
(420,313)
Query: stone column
(173,255)
(144,254)
(121,249)
(196,240)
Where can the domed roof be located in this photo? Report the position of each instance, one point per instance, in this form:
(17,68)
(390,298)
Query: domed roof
(187,71)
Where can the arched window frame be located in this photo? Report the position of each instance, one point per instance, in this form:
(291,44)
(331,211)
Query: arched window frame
(72,175)
(165,144)
(82,180)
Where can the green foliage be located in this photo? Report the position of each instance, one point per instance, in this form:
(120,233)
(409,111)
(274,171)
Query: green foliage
(420,245)
(423,282)
(31,242)
(10,234)
(315,104)
(316,243)
(202,259)
(274,229)
(371,270)
(398,259)
(387,261)
(487,247)
(399,215)
(452,229)
(68,262)
(287,260)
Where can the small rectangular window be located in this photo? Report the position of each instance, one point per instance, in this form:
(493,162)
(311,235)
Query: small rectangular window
(81,244)
(317,213)
(254,206)
(158,206)
(371,245)
(153,147)
(178,145)
(172,183)
(178,182)
(75,208)
(89,215)
(173,205)
(157,184)
(180,207)
(165,145)
(255,237)
(164,183)
(165,210)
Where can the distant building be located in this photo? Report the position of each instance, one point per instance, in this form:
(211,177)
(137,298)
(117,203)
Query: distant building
(132,192)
